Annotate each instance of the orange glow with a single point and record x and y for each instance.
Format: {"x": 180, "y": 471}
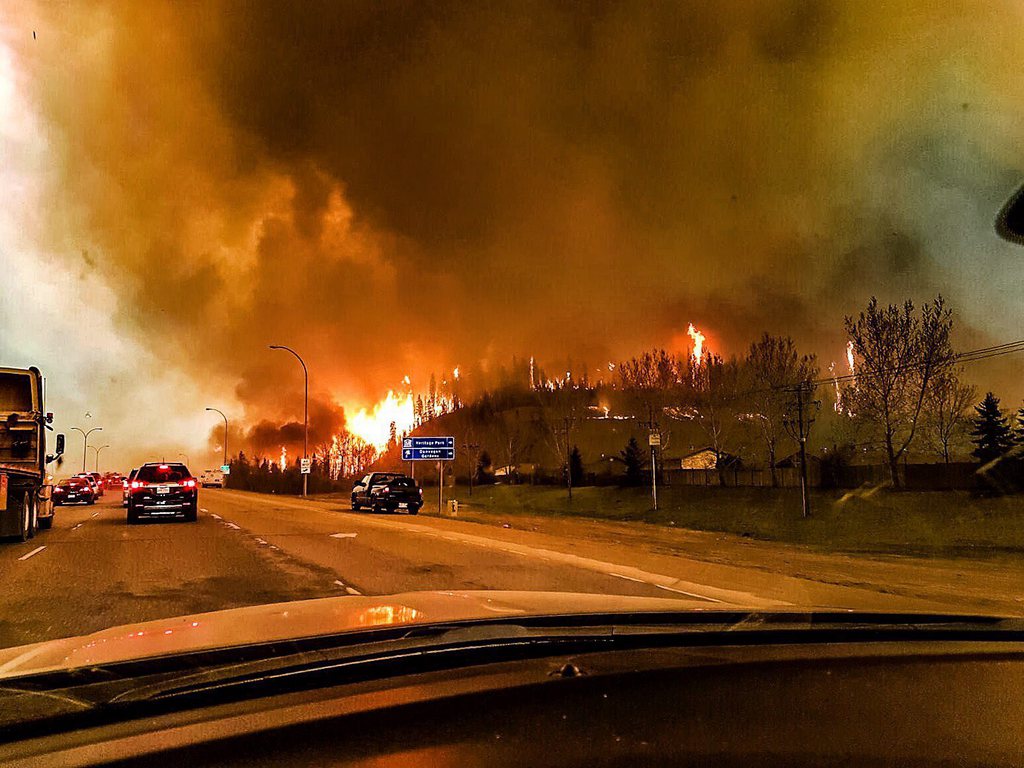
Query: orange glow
{"x": 456, "y": 373}
{"x": 387, "y": 614}
{"x": 374, "y": 427}
{"x": 849, "y": 356}
{"x": 284, "y": 457}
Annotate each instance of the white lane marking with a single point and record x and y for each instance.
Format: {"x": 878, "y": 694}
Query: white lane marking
{"x": 77, "y": 526}
{"x": 215, "y": 515}
{"x": 273, "y": 547}
{"x": 35, "y": 551}
{"x": 702, "y": 591}
{"x": 94, "y": 514}
{"x": 343, "y": 535}
{"x": 204, "y": 509}
{"x": 352, "y": 591}
{"x": 339, "y": 583}
{"x": 688, "y": 594}
{"x": 627, "y": 578}
{"x": 232, "y": 525}
{"x": 260, "y": 541}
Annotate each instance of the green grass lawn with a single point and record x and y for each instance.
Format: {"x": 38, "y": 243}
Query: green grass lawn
{"x": 951, "y": 523}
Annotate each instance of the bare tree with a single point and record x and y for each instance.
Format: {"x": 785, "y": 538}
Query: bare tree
{"x": 773, "y": 364}
{"x": 947, "y": 411}
{"x": 898, "y": 353}
{"x": 648, "y": 381}
{"x": 713, "y": 395}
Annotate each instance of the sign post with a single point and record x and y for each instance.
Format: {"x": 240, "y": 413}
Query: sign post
{"x": 439, "y": 449}
{"x": 654, "y": 440}
{"x": 304, "y": 466}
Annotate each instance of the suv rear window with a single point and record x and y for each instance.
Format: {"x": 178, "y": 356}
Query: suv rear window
{"x": 168, "y": 473}
{"x": 403, "y": 482}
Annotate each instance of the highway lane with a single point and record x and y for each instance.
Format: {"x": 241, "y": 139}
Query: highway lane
{"x": 93, "y": 571}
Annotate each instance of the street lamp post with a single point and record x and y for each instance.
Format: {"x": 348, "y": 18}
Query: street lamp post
{"x": 305, "y": 410}
{"x": 98, "y": 454}
{"x": 218, "y": 410}
{"x": 85, "y": 446}
{"x": 187, "y": 462}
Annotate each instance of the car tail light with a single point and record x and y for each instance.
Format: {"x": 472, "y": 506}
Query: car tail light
{"x": 189, "y": 483}
{"x": 58, "y": 490}
{"x": 136, "y": 484}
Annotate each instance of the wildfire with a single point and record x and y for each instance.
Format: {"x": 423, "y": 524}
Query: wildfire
{"x": 284, "y": 457}
{"x": 849, "y": 356}
{"x": 374, "y": 427}
{"x": 698, "y": 344}
{"x": 456, "y": 373}
{"x": 839, "y": 392}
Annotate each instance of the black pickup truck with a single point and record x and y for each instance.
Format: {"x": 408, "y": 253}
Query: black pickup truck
{"x": 396, "y": 493}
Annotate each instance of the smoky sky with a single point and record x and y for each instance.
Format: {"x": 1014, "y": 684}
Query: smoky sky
{"x": 396, "y": 188}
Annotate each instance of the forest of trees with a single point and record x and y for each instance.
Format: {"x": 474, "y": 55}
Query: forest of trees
{"x": 901, "y": 392}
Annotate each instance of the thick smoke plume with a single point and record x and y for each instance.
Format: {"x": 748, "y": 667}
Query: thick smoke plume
{"x": 398, "y": 188}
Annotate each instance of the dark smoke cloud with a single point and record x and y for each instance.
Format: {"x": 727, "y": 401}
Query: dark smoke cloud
{"x": 401, "y": 187}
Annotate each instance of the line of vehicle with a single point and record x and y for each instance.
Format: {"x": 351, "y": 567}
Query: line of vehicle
{"x": 34, "y": 552}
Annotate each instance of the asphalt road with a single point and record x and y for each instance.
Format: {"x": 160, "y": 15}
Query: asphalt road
{"x": 92, "y": 571}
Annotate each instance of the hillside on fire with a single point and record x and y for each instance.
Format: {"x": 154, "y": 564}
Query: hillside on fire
{"x": 898, "y": 398}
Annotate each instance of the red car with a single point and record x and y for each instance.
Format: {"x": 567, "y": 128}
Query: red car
{"x": 76, "y": 490}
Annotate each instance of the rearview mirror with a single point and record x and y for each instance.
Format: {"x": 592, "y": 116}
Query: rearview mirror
{"x": 1010, "y": 222}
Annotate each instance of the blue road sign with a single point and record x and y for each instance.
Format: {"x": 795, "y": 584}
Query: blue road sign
{"x": 428, "y": 449}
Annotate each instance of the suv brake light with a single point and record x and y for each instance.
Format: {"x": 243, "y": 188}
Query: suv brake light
{"x": 189, "y": 483}
{"x": 136, "y": 484}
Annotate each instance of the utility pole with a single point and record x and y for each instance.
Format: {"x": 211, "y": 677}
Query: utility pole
{"x": 568, "y": 459}
{"x": 800, "y": 430}
{"x": 473, "y": 456}
{"x": 653, "y": 440}
{"x": 440, "y": 487}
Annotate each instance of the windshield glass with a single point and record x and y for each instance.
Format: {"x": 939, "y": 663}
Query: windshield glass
{"x": 693, "y": 302}
{"x": 15, "y": 392}
{"x": 162, "y": 473}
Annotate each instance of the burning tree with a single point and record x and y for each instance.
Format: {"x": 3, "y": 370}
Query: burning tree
{"x": 714, "y": 401}
{"x": 899, "y": 353}
{"x": 773, "y": 365}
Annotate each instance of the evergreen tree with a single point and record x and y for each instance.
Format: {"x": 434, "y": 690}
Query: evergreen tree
{"x": 483, "y": 469}
{"x": 576, "y": 466}
{"x": 1018, "y": 427}
{"x": 991, "y": 433}
{"x": 633, "y": 460}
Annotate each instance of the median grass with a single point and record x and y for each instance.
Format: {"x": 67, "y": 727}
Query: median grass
{"x": 870, "y": 520}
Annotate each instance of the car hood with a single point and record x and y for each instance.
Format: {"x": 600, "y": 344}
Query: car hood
{"x": 309, "y": 618}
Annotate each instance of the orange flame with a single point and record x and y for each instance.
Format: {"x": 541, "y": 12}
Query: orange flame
{"x": 284, "y": 457}
{"x": 698, "y": 344}
{"x": 456, "y": 373}
{"x": 375, "y": 426}
{"x": 849, "y": 356}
